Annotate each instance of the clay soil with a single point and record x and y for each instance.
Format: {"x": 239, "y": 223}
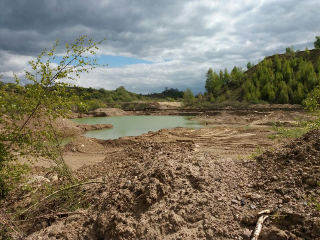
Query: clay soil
{"x": 193, "y": 184}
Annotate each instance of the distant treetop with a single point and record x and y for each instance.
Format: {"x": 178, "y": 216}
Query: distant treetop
{"x": 317, "y": 42}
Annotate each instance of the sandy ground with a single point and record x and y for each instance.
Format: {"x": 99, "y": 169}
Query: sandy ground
{"x": 194, "y": 184}
{"x": 227, "y": 134}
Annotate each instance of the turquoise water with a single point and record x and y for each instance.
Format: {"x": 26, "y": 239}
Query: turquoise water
{"x": 135, "y": 125}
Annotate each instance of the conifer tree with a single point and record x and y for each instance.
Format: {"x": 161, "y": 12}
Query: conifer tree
{"x": 317, "y": 42}
{"x": 287, "y": 71}
{"x": 209, "y": 81}
{"x": 299, "y": 94}
{"x": 277, "y": 62}
{"x": 283, "y": 93}
{"x": 226, "y": 77}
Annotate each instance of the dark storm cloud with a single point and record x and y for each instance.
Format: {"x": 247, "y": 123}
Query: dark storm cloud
{"x": 136, "y": 26}
{"x": 194, "y": 35}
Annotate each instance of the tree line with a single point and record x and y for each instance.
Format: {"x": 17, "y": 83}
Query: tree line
{"x": 282, "y": 78}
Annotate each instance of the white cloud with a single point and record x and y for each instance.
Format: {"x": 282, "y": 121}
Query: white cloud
{"x": 144, "y": 78}
{"x": 194, "y": 35}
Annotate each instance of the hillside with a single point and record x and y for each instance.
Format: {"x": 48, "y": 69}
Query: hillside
{"x": 281, "y": 78}
{"x": 308, "y": 55}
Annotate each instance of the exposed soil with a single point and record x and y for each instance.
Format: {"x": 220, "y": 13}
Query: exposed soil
{"x": 68, "y": 128}
{"x": 194, "y": 184}
{"x": 102, "y": 112}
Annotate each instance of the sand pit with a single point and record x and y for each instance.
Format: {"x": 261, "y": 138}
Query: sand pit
{"x": 192, "y": 184}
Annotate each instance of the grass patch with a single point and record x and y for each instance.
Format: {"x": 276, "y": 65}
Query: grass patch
{"x": 256, "y": 153}
{"x": 282, "y": 132}
{"x": 301, "y": 128}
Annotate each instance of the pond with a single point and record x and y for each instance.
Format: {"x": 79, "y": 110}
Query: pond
{"x": 135, "y": 125}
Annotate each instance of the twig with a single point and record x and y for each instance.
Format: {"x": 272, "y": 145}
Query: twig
{"x": 260, "y": 221}
{"x": 59, "y": 214}
{"x": 65, "y": 168}
{"x": 58, "y": 191}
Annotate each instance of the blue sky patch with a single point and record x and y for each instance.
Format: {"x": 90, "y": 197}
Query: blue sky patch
{"x": 119, "y": 61}
{"x": 113, "y": 61}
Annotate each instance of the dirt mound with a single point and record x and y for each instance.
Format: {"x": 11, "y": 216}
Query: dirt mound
{"x": 66, "y": 127}
{"x": 157, "y": 188}
{"x": 289, "y": 181}
{"x": 84, "y": 145}
{"x": 108, "y": 112}
{"x": 192, "y": 184}
{"x": 90, "y": 127}
{"x": 170, "y": 105}
{"x": 162, "y": 198}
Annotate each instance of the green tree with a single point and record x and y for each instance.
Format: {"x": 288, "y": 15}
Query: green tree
{"x": 312, "y": 102}
{"x": 317, "y": 42}
{"x": 211, "y": 98}
{"x": 318, "y": 67}
{"x": 307, "y": 75}
{"x": 283, "y": 93}
{"x": 251, "y": 93}
{"x": 221, "y": 76}
{"x": 188, "y": 97}
{"x": 209, "y": 81}
{"x": 236, "y": 76}
{"x": 123, "y": 95}
{"x": 214, "y": 82}
{"x": 226, "y": 77}
{"x": 277, "y": 62}
{"x": 27, "y": 115}
{"x": 290, "y": 51}
{"x": 249, "y": 65}
{"x": 287, "y": 70}
{"x": 268, "y": 93}
{"x": 298, "y": 94}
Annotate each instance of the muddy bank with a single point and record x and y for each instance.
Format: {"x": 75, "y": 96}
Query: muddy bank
{"x": 265, "y": 118}
{"x": 64, "y": 127}
{"x": 90, "y": 127}
{"x": 102, "y": 112}
{"x": 177, "y": 108}
{"x": 68, "y": 128}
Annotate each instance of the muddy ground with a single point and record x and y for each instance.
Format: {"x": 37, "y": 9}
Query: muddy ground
{"x": 193, "y": 184}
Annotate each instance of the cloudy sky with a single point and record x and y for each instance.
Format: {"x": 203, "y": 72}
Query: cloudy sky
{"x": 152, "y": 44}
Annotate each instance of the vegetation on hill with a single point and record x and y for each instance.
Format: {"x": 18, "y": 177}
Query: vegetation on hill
{"x": 168, "y": 94}
{"x": 88, "y": 99}
{"x": 96, "y": 98}
{"x": 107, "y": 96}
{"x": 282, "y": 78}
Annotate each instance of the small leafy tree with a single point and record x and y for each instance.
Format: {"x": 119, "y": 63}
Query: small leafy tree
{"x": 27, "y": 114}
{"x": 188, "y": 97}
{"x": 312, "y": 103}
